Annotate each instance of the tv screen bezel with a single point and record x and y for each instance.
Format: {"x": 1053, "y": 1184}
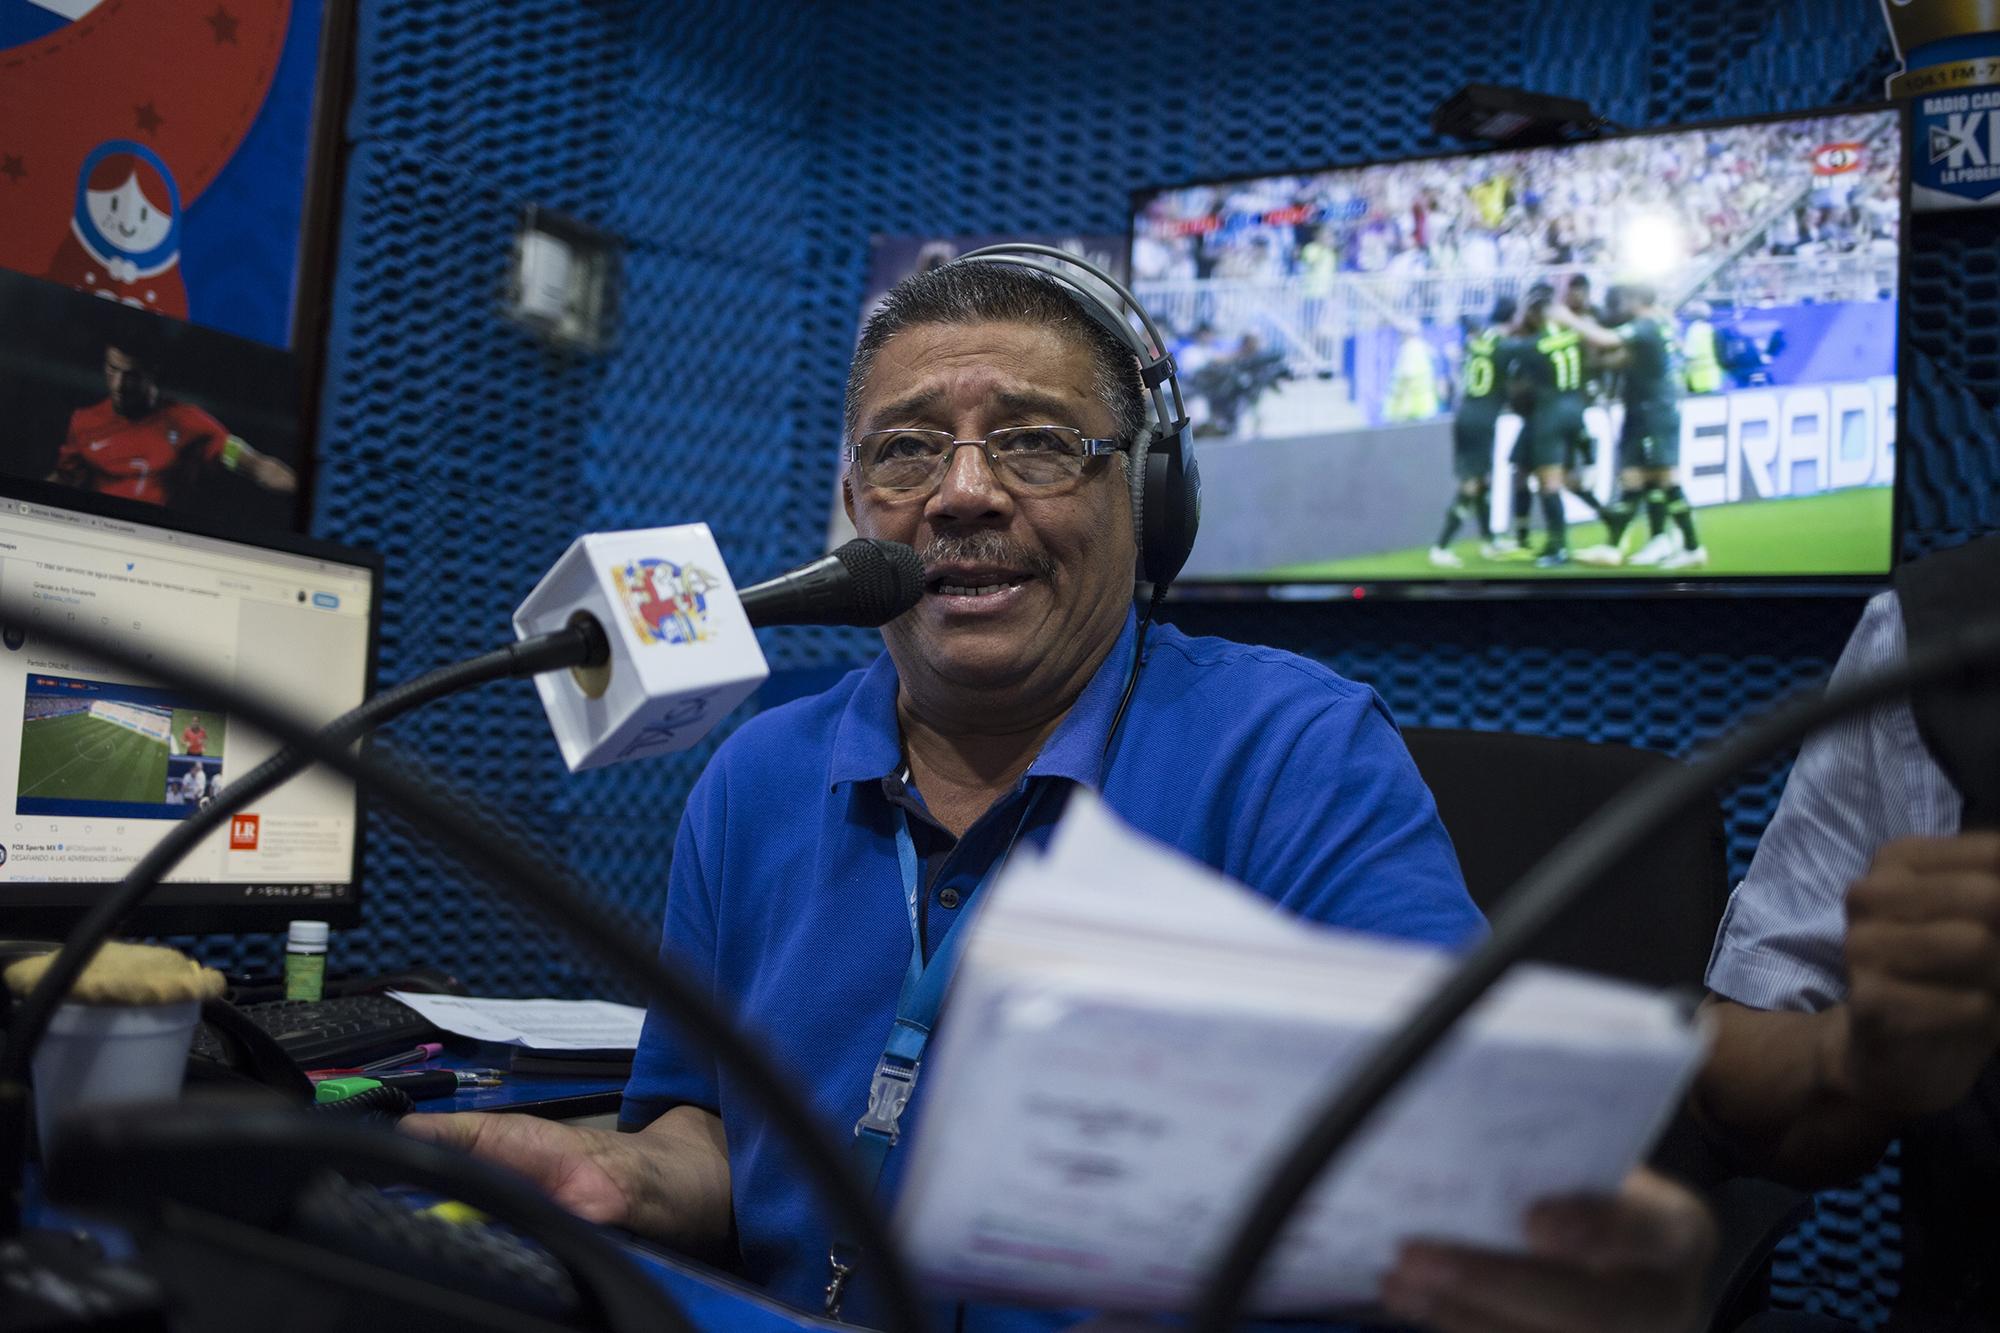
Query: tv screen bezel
{"x": 1195, "y": 589}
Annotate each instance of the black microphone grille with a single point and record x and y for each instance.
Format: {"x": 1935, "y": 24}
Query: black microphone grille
{"x": 888, "y": 579}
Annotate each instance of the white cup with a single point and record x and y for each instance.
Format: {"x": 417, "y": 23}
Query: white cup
{"x": 103, "y": 1054}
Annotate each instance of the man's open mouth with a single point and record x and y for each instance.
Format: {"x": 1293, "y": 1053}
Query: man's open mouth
{"x": 963, "y": 583}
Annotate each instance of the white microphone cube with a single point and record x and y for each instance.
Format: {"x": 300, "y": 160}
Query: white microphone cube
{"x": 682, "y": 651}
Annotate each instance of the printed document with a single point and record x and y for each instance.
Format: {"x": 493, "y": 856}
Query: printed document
{"x": 539, "y": 1025}
{"x": 1132, "y": 1040}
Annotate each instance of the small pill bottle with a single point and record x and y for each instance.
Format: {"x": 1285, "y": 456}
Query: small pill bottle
{"x": 305, "y": 960}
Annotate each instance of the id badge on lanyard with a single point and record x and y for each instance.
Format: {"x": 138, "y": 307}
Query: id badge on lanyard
{"x": 895, "y": 1077}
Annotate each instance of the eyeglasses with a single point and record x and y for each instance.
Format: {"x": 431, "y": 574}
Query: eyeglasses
{"x": 1035, "y": 459}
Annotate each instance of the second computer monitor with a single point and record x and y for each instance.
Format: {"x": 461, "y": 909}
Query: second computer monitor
{"x": 97, "y": 763}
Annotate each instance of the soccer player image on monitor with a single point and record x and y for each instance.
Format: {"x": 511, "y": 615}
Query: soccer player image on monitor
{"x": 138, "y": 443}
{"x": 94, "y": 747}
{"x": 192, "y": 779}
{"x": 198, "y": 734}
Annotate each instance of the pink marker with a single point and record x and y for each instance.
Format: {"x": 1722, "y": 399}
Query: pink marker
{"x": 428, "y": 1051}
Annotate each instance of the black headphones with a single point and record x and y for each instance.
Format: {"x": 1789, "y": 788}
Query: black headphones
{"x": 1166, "y": 484}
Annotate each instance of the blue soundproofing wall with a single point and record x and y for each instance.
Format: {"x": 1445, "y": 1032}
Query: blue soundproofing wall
{"x": 744, "y": 151}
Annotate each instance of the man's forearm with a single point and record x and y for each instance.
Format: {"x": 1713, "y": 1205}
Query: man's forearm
{"x": 1774, "y": 1092}
{"x": 675, "y": 1173}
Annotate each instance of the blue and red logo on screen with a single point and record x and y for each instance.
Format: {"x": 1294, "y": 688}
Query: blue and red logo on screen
{"x": 668, "y": 602}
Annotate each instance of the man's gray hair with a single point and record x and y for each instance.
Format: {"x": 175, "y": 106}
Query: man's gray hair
{"x": 979, "y": 292}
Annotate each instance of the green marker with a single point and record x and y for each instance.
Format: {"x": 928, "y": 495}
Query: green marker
{"x": 340, "y": 1089}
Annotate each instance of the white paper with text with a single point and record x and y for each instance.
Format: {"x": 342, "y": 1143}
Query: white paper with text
{"x": 539, "y": 1025}
{"x": 1131, "y": 1039}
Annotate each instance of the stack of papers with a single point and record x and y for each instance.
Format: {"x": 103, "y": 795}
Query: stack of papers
{"x": 1132, "y": 1040}
{"x": 538, "y": 1025}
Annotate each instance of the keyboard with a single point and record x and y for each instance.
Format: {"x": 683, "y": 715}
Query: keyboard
{"x": 334, "y": 1033}
{"x": 482, "y": 1260}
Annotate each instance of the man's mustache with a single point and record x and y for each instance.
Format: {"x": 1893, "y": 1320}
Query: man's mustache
{"x": 987, "y": 548}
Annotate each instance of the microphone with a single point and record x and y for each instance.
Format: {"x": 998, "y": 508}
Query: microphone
{"x": 868, "y": 582}
{"x": 681, "y": 652}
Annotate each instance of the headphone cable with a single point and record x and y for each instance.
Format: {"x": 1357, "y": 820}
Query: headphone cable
{"x": 1132, "y": 680}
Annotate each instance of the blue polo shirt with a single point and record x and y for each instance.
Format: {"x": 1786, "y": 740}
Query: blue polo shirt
{"x": 786, "y": 895}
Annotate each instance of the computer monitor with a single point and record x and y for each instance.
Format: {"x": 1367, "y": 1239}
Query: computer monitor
{"x": 96, "y": 764}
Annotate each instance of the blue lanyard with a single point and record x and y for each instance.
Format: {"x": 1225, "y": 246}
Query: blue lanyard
{"x": 917, "y": 1006}
{"x": 895, "y": 1078}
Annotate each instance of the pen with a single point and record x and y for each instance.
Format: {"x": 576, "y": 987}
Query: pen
{"x": 421, "y": 1084}
{"x": 427, "y": 1051}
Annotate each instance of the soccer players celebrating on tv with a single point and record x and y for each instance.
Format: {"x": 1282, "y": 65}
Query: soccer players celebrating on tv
{"x": 1650, "y": 441}
{"x": 1583, "y": 450}
{"x": 1546, "y": 384}
{"x": 1481, "y": 396}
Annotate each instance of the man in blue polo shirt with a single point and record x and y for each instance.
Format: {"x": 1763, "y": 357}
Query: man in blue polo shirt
{"x": 832, "y": 842}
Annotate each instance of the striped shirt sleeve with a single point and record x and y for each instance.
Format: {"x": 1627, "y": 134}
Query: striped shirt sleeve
{"x": 1858, "y": 784}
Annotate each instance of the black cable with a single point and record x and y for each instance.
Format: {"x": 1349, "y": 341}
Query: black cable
{"x": 514, "y": 867}
{"x": 1138, "y": 660}
{"x": 1544, "y": 894}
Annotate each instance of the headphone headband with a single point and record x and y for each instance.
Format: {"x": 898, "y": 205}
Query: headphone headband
{"x": 1156, "y": 366}
{"x": 1166, "y": 484}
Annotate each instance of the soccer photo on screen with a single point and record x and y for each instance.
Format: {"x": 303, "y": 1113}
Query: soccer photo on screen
{"x": 1667, "y": 356}
{"x": 94, "y": 748}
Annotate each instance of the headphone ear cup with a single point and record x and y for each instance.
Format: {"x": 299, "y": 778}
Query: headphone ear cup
{"x": 1170, "y": 513}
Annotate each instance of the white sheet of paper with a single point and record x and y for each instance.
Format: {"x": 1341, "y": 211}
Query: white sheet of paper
{"x": 540, "y": 1025}
{"x": 1111, "y": 1082}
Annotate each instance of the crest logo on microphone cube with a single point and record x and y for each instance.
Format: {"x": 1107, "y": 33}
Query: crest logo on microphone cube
{"x": 645, "y": 588}
{"x": 668, "y": 603}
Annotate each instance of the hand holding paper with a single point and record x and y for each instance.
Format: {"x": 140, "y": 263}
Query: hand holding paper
{"x": 1109, "y": 1084}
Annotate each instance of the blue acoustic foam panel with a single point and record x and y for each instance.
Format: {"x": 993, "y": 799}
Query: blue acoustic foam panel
{"x": 744, "y": 152}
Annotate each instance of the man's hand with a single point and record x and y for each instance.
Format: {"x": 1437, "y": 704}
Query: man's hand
{"x": 670, "y": 1181}
{"x": 1923, "y": 968}
{"x": 1633, "y": 1263}
{"x": 567, "y": 1164}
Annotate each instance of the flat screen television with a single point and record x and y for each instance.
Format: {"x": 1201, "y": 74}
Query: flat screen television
{"x": 1466, "y": 375}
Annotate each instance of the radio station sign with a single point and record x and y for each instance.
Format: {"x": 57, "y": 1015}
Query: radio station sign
{"x": 1951, "y": 76}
